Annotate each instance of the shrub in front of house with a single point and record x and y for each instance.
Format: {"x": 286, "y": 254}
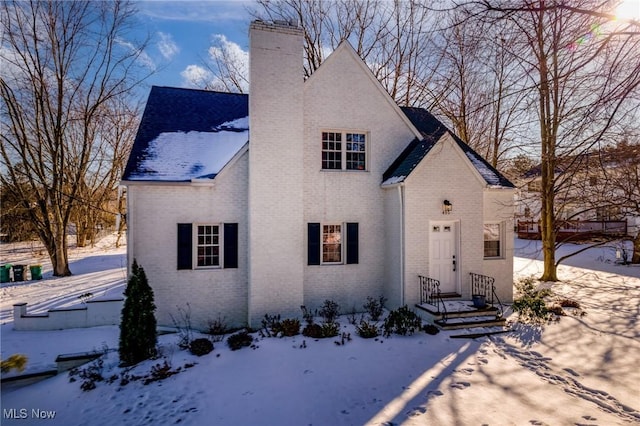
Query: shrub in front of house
{"x": 138, "y": 337}
{"x": 367, "y": 330}
{"x": 431, "y": 329}
{"x": 217, "y": 328}
{"x": 329, "y": 311}
{"x": 290, "y": 327}
{"x": 200, "y": 346}
{"x": 374, "y": 307}
{"x": 307, "y": 315}
{"x": 401, "y": 321}
{"x": 320, "y": 331}
{"x": 530, "y": 302}
{"x": 239, "y": 340}
{"x": 271, "y": 325}
{"x": 313, "y": 330}
{"x": 89, "y": 374}
{"x": 330, "y": 329}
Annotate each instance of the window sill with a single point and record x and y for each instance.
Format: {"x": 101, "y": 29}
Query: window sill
{"x": 344, "y": 171}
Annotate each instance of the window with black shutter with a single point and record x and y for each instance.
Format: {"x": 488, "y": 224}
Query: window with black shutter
{"x": 185, "y": 247}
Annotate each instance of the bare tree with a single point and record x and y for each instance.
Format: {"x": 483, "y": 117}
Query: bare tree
{"x": 225, "y": 68}
{"x": 96, "y": 204}
{"x": 478, "y": 86}
{"x": 65, "y": 65}
{"x": 393, "y": 38}
{"x": 583, "y": 72}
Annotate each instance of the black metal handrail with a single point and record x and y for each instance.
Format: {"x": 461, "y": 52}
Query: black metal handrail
{"x": 483, "y": 285}
{"x": 430, "y": 294}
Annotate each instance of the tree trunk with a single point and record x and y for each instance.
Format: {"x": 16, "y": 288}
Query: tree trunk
{"x": 122, "y": 216}
{"x": 548, "y": 235}
{"x": 548, "y": 148}
{"x": 636, "y": 249}
{"x": 57, "y": 248}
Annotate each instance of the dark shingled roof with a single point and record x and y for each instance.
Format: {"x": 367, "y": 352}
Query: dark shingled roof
{"x": 432, "y": 130}
{"x": 171, "y": 109}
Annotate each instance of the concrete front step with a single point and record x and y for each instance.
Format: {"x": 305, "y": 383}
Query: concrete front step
{"x": 470, "y": 322}
{"x": 473, "y": 333}
{"x": 472, "y": 312}
{"x": 457, "y": 309}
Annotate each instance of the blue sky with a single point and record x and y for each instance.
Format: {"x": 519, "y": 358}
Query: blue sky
{"x": 181, "y": 33}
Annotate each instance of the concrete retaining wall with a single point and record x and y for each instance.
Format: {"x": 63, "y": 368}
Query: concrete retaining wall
{"x": 93, "y": 313}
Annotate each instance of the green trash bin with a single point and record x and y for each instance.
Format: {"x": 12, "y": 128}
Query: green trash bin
{"x": 5, "y": 273}
{"x": 18, "y": 272}
{"x": 36, "y": 272}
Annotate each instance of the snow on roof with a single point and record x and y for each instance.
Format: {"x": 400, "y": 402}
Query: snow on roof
{"x": 490, "y": 176}
{"x": 393, "y": 180}
{"x": 187, "y": 134}
{"x": 182, "y": 156}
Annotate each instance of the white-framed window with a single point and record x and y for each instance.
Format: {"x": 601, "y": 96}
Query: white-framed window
{"x": 331, "y": 243}
{"x": 344, "y": 151}
{"x": 207, "y": 246}
{"x": 493, "y": 240}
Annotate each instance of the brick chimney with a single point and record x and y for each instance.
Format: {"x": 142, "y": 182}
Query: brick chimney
{"x": 276, "y": 228}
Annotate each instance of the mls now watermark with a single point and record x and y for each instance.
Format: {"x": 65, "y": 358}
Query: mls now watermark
{"x": 23, "y": 413}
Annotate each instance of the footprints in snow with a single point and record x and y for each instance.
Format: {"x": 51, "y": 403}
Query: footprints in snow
{"x": 460, "y": 385}
{"x": 569, "y": 380}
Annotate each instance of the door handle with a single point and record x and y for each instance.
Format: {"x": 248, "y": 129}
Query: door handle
{"x": 454, "y": 263}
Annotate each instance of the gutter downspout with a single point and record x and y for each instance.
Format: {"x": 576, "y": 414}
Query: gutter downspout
{"x": 402, "y": 260}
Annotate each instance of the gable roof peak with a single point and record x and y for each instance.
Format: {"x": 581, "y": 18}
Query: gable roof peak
{"x": 432, "y": 130}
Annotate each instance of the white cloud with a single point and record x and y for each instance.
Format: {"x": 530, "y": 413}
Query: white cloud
{"x": 168, "y": 48}
{"x": 197, "y": 11}
{"x": 230, "y": 62}
{"x": 196, "y": 76}
{"x": 233, "y": 50}
{"x": 142, "y": 57}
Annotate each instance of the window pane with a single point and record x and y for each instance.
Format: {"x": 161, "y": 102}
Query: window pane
{"x": 492, "y": 233}
{"x": 356, "y": 158}
{"x": 331, "y": 244}
{"x": 331, "y": 148}
{"x": 208, "y": 249}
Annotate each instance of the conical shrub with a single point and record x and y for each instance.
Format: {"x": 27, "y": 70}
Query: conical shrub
{"x": 138, "y": 336}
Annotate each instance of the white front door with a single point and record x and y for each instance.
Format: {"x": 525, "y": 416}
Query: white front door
{"x": 443, "y": 255}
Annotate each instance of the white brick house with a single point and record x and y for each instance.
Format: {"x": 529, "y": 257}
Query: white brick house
{"x": 340, "y": 194}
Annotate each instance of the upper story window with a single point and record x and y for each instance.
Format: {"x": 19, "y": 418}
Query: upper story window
{"x": 344, "y": 151}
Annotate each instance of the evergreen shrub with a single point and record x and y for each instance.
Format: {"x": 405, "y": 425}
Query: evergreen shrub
{"x": 138, "y": 336}
{"x": 401, "y": 321}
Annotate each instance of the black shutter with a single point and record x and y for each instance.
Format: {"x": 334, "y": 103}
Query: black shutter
{"x": 185, "y": 247}
{"x": 313, "y": 243}
{"x": 230, "y": 245}
{"x": 352, "y": 243}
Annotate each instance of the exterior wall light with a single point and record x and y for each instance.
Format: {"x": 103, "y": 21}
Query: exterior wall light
{"x": 447, "y": 207}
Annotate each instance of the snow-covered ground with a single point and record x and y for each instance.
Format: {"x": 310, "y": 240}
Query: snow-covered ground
{"x": 580, "y": 370}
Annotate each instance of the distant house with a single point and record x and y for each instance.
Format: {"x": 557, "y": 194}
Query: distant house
{"x": 596, "y": 194}
{"x": 303, "y": 191}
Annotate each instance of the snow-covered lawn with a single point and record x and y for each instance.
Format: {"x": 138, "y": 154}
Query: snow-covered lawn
{"x": 580, "y": 370}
